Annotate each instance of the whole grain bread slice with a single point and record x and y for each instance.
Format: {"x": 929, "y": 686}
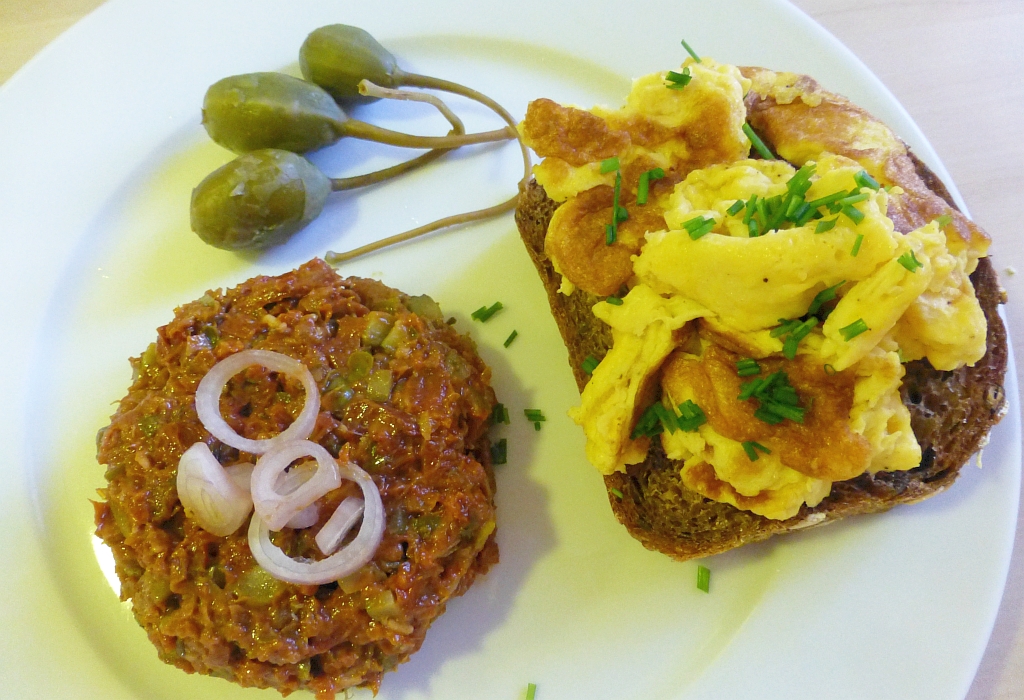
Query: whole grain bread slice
{"x": 951, "y": 414}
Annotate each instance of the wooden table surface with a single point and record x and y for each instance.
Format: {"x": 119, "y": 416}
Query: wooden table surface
{"x": 954, "y": 64}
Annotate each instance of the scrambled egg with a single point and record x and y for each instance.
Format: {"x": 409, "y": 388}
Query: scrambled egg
{"x": 709, "y": 291}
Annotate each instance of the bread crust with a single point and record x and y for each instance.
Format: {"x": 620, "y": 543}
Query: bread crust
{"x": 951, "y": 414}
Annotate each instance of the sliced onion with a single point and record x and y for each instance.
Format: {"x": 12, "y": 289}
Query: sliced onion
{"x": 211, "y": 386}
{"x": 345, "y": 561}
{"x": 241, "y": 475}
{"x": 276, "y": 508}
{"x": 208, "y": 493}
{"x": 306, "y": 517}
{"x": 345, "y": 516}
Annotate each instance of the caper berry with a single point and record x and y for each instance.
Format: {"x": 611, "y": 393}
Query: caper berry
{"x": 247, "y": 112}
{"x": 337, "y": 57}
{"x": 258, "y": 200}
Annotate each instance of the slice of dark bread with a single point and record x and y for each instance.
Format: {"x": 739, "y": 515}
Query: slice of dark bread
{"x": 951, "y": 414}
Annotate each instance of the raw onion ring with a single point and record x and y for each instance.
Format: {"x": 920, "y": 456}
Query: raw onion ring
{"x": 209, "y": 494}
{"x": 276, "y": 508}
{"x": 211, "y": 386}
{"x": 345, "y": 516}
{"x": 345, "y": 561}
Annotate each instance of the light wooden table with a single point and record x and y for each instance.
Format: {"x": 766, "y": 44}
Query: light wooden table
{"x": 955, "y": 65}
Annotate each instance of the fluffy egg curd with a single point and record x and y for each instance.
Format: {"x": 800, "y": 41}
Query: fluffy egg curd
{"x": 761, "y": 309}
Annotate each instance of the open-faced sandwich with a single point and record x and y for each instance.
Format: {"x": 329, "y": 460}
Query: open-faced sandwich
{"x": 299, "y": 479}
{"x": 764, "y": 339}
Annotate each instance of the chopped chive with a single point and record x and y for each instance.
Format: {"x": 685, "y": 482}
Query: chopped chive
{"x": 643, "y": 187}
{"x": 499, "y": 414}
{"x": 853, "y": 199}
{"x": 748, "y": 367}
{"x": 534, "y": 415}
{"x": 762, "y": 213}
{"x": 829, "y": 370}
{"x": 589, "y": 364}
{"x": 786, "y": 325}
{"x": 944, "y": 220}
{"x": 751, "y": 449}
{"x": 649, "y": 424}
{"x": 536, "y": 425}
{"x": 484, "y": 313}
{"x": 825, "y": 295}
{"x": 803, "y": 214}
{"x": 909, "y": 261}
{"x": 510, "y": 338}
{"x": 854, "y": 329}
{"x": 616, "y": 493}
{"x": 531, "y": 691}
{"x": 856, "y": 243}
{"x": 666, "y": 417}
{"x": 852, "y": 213}
{"x": 825, "y": 225}
{"x": 614, "y": 301}
{"x": 691, "y": 417}
{"x": 751, "y": 208}
{"x": 499, "y": 452}
{"x": 753, "y": 229}
{"x": 794, "y": 413}
{"x": 611, "y": 233}
{"x": 757, "y": 142}
{"x": 677, "y": 81}
{"x": 690, "y": 51}
{"x": 827, "y": 199}
{"x": 736, "y": 207}
{"x": 864, "y": 180}
{"x": 699, "y": 226}
{"x": 609, "y": 164}
{"x": 703, "y": 578}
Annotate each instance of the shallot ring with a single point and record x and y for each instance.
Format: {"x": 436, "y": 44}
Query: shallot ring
{"x": 211, "y": 385}
{"x": 345, "y": 561}
{"x": 276, "y": 508}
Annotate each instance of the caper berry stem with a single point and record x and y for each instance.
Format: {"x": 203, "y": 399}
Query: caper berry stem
{"x": 426, "y": 81}
{"x": 369, "y": 132}
{"x": 370, "y": 89}
{"x": 333, "y": 258}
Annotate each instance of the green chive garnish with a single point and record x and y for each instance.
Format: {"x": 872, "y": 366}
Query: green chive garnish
{"x": 643, "y": 186}
{"x": 510, "y": 338}
{"x": 609, "y": 234}
{"x": 616, "y": 493}
{"x": 747, "y": 367}
{"x": 751, "y": 449}
{"x": 590, "y": 364}
{"x": 854, "y": 329}
{"x": 699, "y": 226}
{"x": 649, "y": 424}
{"x": 736, "y": 207}
{"x": 484, "y": 313}
{"x": 619, "y": 214}
{"x": 499, "y": 452}
{"x": 909, "y": 261}
{"x": 853, "y": 213}
{"x": 757, "y": 142}
{"x": 864, "y": 180}
{"x": 857, "y": 242}
{"x": 825, "y": 225}
{"x": 531, "y": 691}
{"x": 776, "y": 397}
{"x": 691, "y": 417}
{"x": 825, "y": 295}
{"x": 499, "y": 414}
{"x": 609, "y": 164}
{"x": 690, "y": 51}
{"x": 614, "y": 301}
{"x": 944, "y": 220}
{"x": 534, "y": 415}
{"x": 703, "y": 578}
{"x": 677, "y": 81}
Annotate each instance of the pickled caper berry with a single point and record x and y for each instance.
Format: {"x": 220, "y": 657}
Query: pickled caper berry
{"x": 258, "y": 200}
{"x": 337, "y": 57}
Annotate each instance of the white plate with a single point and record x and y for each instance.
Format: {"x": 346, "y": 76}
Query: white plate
{"x": 100, "y": 145}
